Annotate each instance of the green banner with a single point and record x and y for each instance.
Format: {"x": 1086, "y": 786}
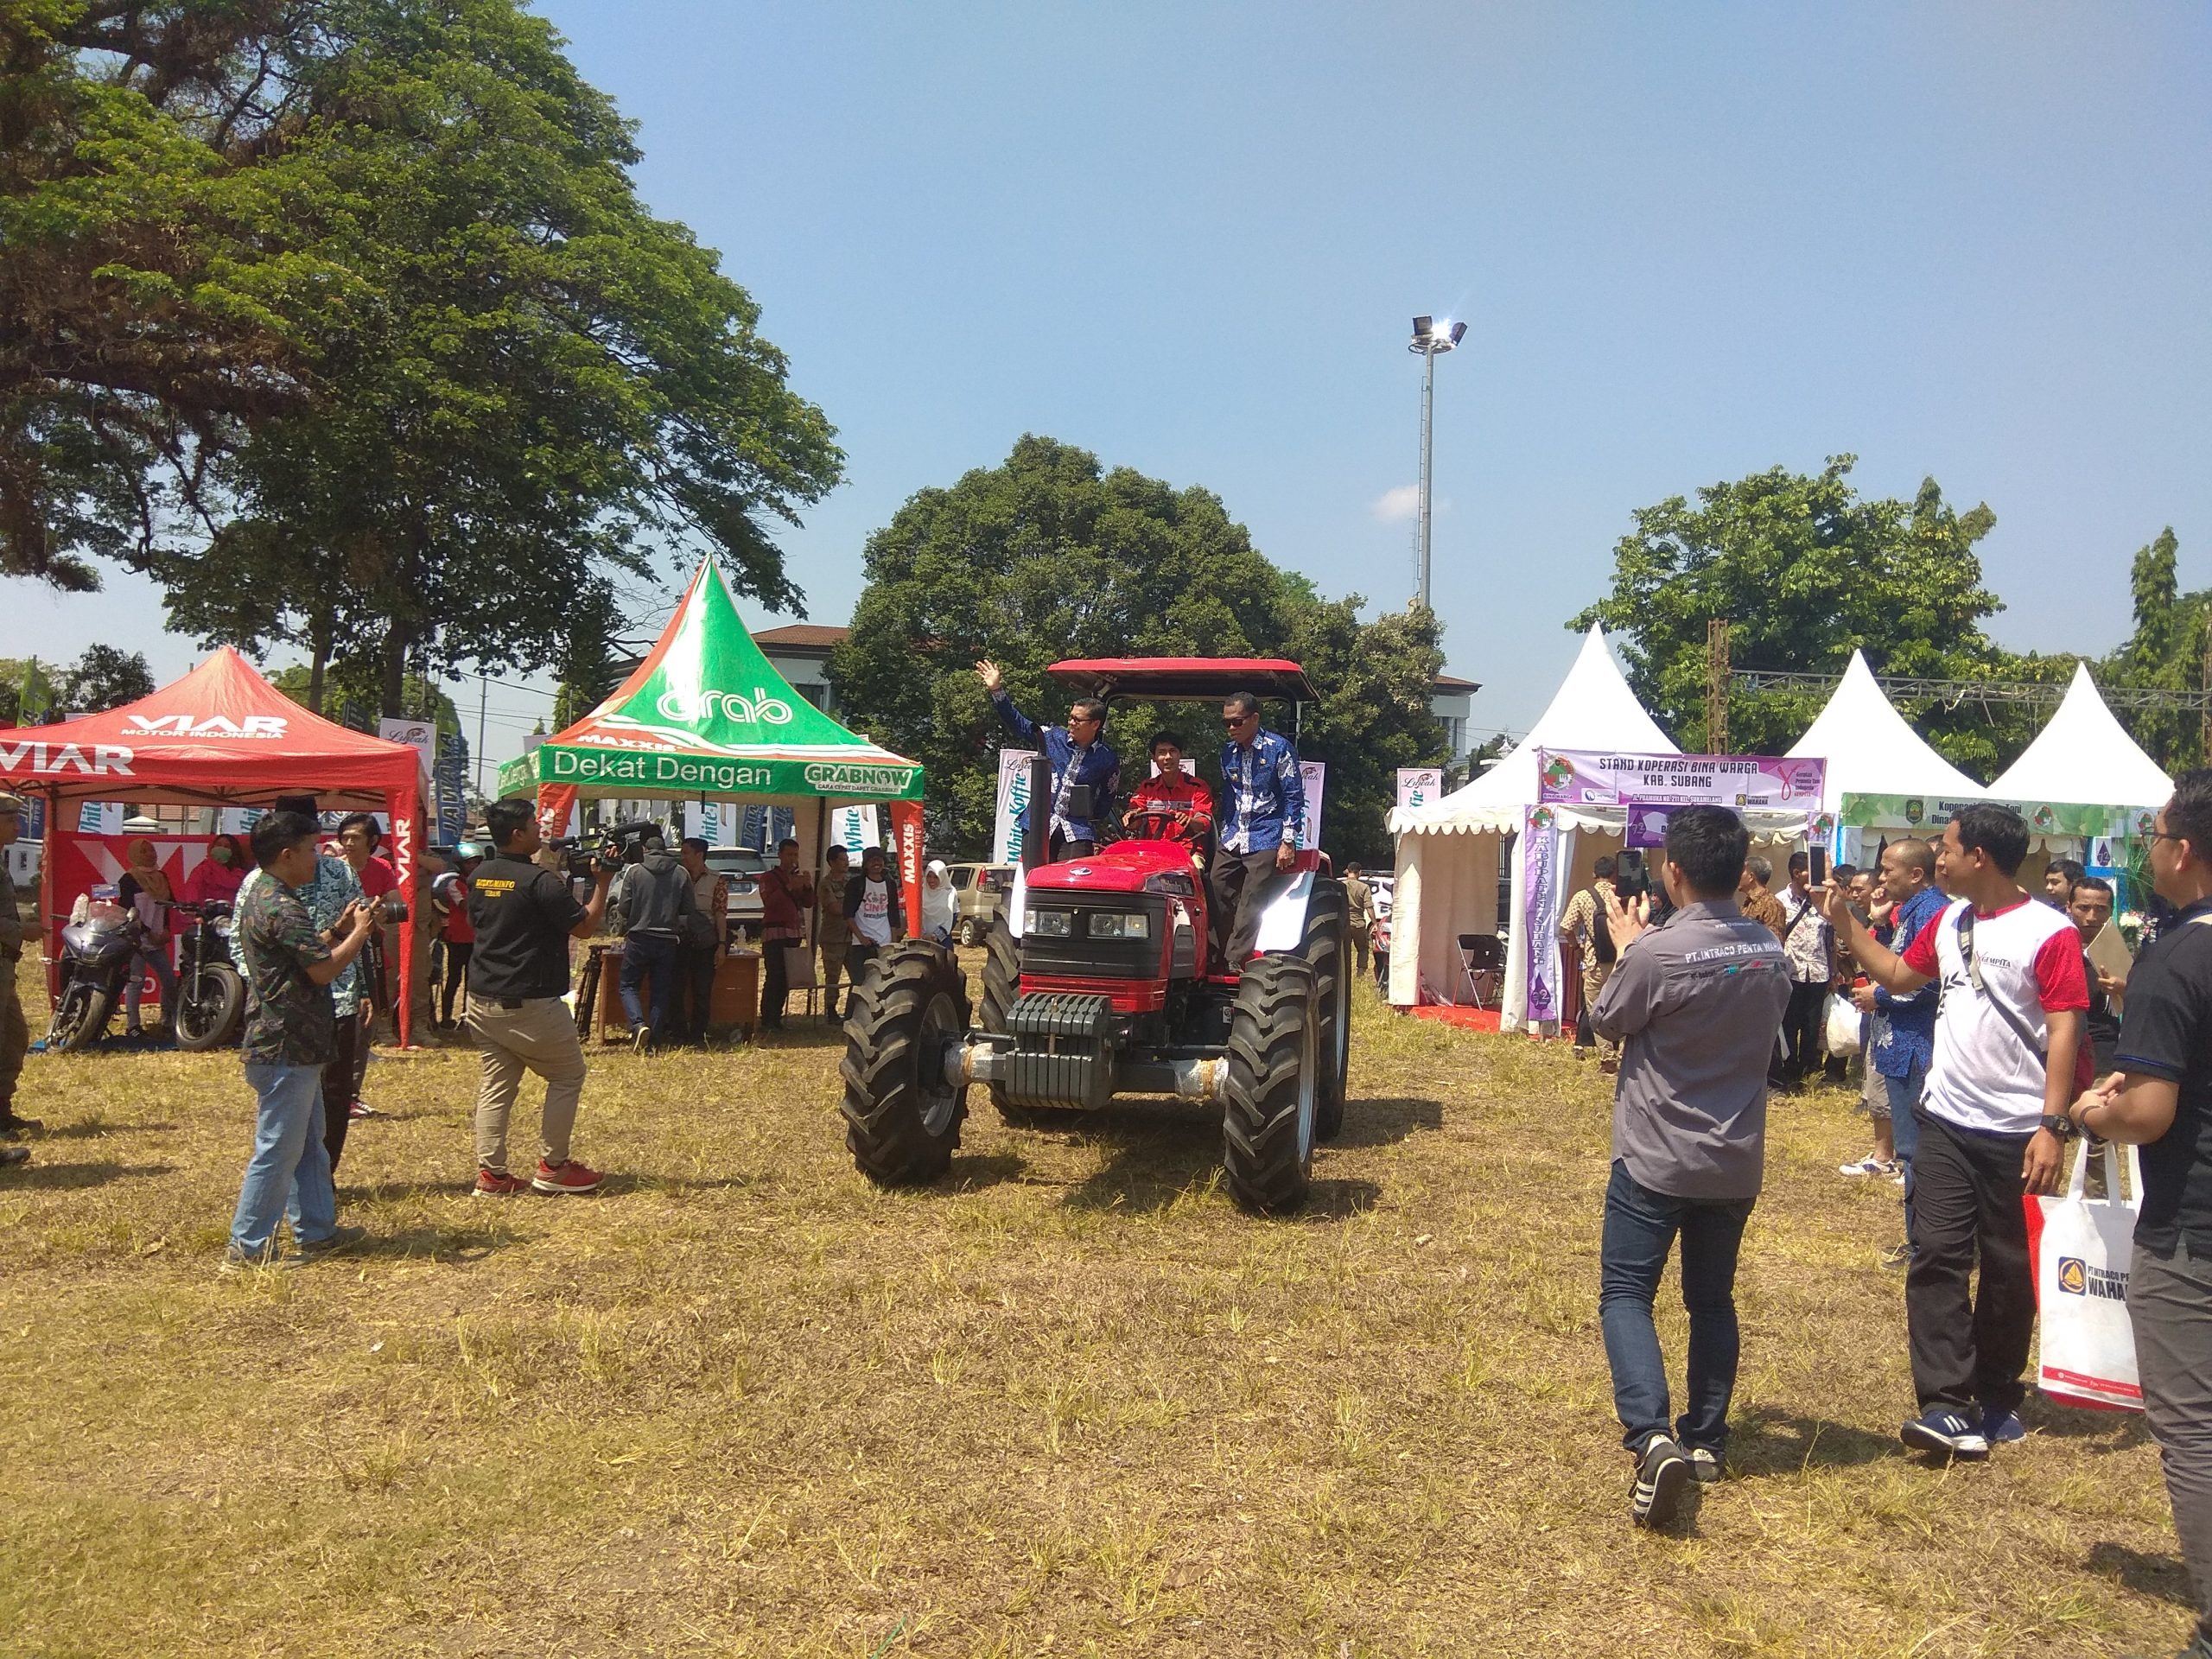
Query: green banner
{"x": 519, "y": 777}
{"x": 709, "y": 774}
{"x": 1933, "y": 812}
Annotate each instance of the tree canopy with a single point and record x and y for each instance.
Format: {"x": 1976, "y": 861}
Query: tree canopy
{"x": 1806, "y": 570}
{"x": 342, "y": 319}
{"x": 1051, "y": 556}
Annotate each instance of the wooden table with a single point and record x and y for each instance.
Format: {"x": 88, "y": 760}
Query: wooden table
{"x": 736, "y": 1000}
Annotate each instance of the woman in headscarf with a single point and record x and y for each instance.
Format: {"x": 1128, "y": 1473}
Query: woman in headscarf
{"x": 940, "y": 905}
{"x": 216, "y": 877}
{"x": 145, "y": 892}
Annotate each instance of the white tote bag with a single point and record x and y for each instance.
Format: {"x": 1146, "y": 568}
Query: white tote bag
{"x": 2080, "y": 1247}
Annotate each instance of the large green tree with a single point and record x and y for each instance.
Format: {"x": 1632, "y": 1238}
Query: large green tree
{"x": 2166, "y": 651}
{"x": 476, "y": 385}
{"x": 1051, "y": 556}
{"x": 1807, "y": 570}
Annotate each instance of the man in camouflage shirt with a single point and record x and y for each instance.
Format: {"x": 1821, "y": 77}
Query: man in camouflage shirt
{"x": 290, "y": 1038}
{"x": 14, "y": 1033}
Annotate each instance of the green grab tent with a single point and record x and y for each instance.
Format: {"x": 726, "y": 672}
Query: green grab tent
{"x": 706, "y": 716}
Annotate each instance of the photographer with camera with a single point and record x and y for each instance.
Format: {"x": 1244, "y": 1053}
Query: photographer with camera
{"x": 525, "y": 917}
{"x": 657, "y": 906}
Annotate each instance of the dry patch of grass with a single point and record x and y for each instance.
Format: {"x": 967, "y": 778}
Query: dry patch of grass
{"x": 1069, "y": 1400}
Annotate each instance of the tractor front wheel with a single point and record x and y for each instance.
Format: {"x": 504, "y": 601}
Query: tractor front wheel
{"x": 902, "y": 1119}
{"x": 1269, "y": 1119}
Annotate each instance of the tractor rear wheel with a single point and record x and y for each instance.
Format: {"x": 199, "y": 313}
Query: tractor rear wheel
{"x": 1273, "y": 1087}
{"x": 1328, "y": 930}
{"x": 902, "y": 1118}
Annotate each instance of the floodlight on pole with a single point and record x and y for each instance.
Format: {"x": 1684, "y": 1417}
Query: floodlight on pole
{"x": 1431, "y": 340}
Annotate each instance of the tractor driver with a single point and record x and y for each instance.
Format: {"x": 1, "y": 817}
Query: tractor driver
{"x": 1171, "y": 805}
{"x": 1264, "y": 803}
{"x": 1081, "y": 759}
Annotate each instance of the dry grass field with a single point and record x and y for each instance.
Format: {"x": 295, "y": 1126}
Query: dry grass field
{"x": 1069, "y": 1402}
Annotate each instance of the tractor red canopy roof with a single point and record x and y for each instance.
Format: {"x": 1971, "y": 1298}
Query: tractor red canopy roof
{"x": 1195, "y": 678}
{"x": 220, "y": 735}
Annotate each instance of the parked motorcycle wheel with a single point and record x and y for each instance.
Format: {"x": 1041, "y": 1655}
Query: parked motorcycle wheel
{"x": 81, "y": 1019}
{"x": 208, "y": 1006}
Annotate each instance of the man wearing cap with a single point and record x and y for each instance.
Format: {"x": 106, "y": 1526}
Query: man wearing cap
{"x": 14, "y": 1034}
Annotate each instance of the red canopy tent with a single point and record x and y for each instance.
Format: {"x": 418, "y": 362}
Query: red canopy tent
{"x": 220, "y": 736}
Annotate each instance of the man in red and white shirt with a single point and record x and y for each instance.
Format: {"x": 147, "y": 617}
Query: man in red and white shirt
{"x": 2008, "y": 1042}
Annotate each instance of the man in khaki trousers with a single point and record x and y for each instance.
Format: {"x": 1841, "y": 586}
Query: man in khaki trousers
{"x": 525, "y": 917}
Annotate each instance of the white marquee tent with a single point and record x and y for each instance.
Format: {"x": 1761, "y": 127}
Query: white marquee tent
{"x": 1448, "y": 850}
{"x": 1870, "y": 750}
{"x": 2085, "y": 756}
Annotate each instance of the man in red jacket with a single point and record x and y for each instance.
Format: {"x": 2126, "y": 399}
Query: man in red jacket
{"x": 1171, "y": 805}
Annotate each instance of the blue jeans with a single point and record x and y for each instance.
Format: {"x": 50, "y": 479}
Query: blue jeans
{"x": 1641, "y": 1226}
{"x": 1905, "y": 1130}
{"x": 644, "y": 954}
{"x": 290, "y": 1170}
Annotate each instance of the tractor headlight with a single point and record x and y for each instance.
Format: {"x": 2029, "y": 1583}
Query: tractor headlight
{"x": 1120, "y": 925}
{"x": 1046, "y": 924}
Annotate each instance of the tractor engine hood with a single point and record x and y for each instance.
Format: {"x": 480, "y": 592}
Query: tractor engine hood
{"x": 1125, "y": 867}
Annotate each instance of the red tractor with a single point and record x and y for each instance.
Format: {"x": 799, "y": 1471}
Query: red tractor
{"x": 1100, "y": 986}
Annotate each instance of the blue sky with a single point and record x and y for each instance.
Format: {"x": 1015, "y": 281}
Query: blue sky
{"x": 1690, "y": 242}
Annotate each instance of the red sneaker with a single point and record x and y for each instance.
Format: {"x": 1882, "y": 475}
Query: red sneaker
{"x": 571, "y": 1177}
{"x": 497, "y": 1183}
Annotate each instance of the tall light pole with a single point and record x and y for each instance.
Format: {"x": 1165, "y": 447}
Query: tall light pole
{"x": 1431, "y": 340}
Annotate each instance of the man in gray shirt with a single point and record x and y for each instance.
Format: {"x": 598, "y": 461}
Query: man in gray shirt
{"x": 1698, "y": 1001}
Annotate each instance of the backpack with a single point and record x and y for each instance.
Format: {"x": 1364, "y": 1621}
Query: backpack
{"x": 1602, "y": 950}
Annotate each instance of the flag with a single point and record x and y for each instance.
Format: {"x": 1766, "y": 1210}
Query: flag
{"x": 34, "y": 703}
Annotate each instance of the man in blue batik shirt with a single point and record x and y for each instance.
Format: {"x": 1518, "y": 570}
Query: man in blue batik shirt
{"x": 1262, "y": 804}
{"x": 1903, "y": 1054}
{"x": 1081, "y": 759}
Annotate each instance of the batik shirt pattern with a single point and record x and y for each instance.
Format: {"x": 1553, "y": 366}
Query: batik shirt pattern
{"x": 290, "y": 1021}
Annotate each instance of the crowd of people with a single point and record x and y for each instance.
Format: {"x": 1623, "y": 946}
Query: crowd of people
{"x": 1991, "y": 1044}
{"x": 1978, "y": 1000}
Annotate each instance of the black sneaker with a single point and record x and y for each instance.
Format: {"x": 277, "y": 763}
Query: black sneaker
{"x": 11, "y": 1156}
{"x": 15, "y": 1128}
{"x": 1660, "y": 1474}
{"x": 1947, "y": 1434}
{"x": 641, "y": 1040}
{"x": 1705, "y": 1465}
{"x": 342, "y": 1238}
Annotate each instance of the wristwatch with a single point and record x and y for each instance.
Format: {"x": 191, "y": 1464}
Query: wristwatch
{"x": 2065, "y": 1128}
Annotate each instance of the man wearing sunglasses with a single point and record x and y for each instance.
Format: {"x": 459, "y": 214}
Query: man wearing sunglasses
{"x": 1081, "y": 759}
{"x": 1262, "y": 804}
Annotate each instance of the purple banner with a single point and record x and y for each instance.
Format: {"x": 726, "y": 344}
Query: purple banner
{"x": 1774, "y": 783}
{"x": 1540, "y": 914}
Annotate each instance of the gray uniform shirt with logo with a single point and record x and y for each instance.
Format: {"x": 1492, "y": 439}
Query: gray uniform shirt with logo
{"x": 1697, "y": 1002}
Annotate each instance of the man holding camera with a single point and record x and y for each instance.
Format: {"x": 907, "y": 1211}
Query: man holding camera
{"x": 291, "y": 1040}
{"x": 525, "y": 917}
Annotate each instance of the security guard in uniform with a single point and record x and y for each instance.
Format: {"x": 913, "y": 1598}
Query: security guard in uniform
{"x": 15, "y": 1035}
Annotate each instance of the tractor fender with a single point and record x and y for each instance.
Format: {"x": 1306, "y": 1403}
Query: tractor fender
{"x": 1282, "y": 924}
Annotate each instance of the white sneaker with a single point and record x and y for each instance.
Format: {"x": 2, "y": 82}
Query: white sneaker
{"x": 1867, "y": 1167}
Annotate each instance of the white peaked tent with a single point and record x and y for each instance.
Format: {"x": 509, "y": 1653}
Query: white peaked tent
{"x": 1448, "y": 850}
{"x": 2084, "y": 756}
{"x": 1871, "y": 751}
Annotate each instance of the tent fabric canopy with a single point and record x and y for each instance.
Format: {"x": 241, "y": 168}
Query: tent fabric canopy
{"x": 1593, "y": 708}
{"x": 2084, "y": 756}
{"x": 220, "y": 736}
{"x": 1870, "y": 750}
{"x": 223, "y": 736}
{"x": 706, "y": 714}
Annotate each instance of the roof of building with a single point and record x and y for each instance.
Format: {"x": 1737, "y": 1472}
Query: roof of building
{"x": 1452, "y": 683}
{"x": 798, "y": 636}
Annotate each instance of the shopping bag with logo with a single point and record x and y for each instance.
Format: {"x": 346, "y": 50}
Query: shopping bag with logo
{"x": 2080, "y": 1247}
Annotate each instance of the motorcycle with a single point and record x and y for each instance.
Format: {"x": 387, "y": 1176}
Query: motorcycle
{"x": 210, "y": 992}
{"x": 96, "y": 956}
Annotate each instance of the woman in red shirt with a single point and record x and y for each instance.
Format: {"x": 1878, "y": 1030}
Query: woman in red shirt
{"x": 458, "y": 934}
